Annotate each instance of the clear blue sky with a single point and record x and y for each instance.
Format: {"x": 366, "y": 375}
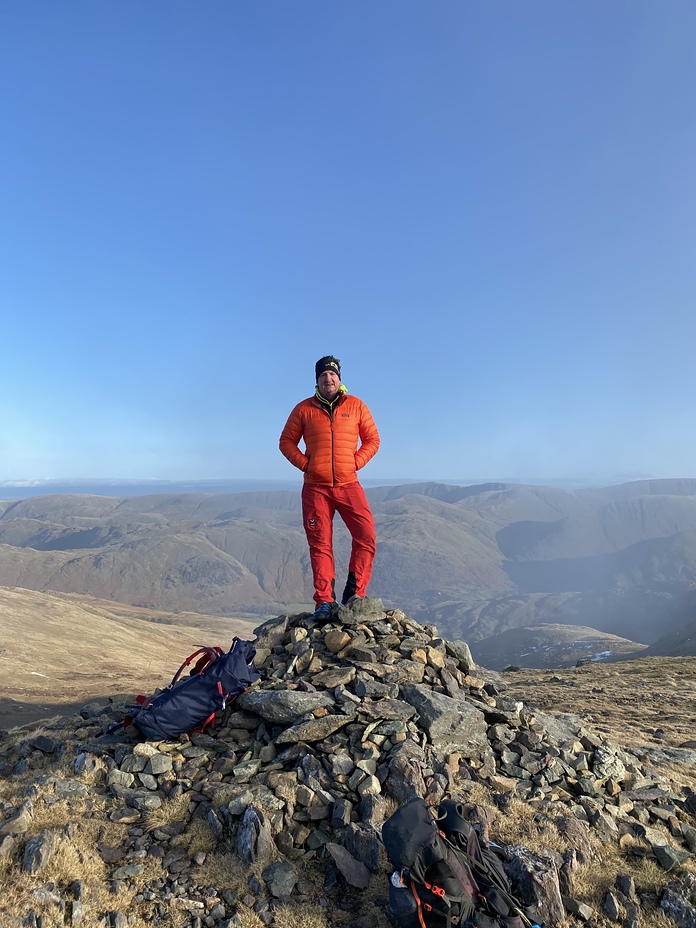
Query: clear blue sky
{"x": 486, "y": 209}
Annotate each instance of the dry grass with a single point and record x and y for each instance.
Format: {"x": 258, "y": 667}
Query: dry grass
{"x": 129, "y": 650}
{"x": 248, "y": 918}
{"x": 170, "y": 812}
{"x": 69, "y": 862}
{"x": 200, "y": 837}
{"x": 522, "y": 824}
{"x": 646, "y": 701}
{"x": 223, "y": 871}
{"x": 300, "y": 916}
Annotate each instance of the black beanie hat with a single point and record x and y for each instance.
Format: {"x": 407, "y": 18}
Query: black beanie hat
{"x": 327, "y": 363}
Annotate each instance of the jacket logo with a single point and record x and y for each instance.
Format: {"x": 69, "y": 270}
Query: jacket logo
{"x": 345, "y": 415}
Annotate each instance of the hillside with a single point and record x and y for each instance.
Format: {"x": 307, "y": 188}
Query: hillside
{"x": 59, "y": 652}
{"x": 551, "y": 646}
{"x": 275, "y": 817}
{"x": 478, "y": 560}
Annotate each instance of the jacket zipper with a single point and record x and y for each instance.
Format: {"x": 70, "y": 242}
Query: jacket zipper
{"x": 329, "y": 412}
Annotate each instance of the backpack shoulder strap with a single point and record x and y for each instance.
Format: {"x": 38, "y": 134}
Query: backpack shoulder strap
{"x": 209, "y": 656}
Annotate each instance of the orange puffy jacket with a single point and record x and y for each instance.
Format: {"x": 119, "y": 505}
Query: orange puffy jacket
{"x": 331, "y": 455}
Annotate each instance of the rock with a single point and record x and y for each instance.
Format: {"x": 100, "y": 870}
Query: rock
{"x": 280, "y": 878}
{"x": 583, "y": 911}
{"x": 611, "y": 907}
{"x": 19, "y": 823}
{"x": 254, "y": 838}
{"x": 38, "y": 852}
{"x": 461, "y": 652}
{"x": 678, "y": 901}
{"x": 536, "y": 881}
{"x": 125, "y": 816}
{"x": 336, "y": 640}
{"x": 670, "y": 858}
{"x": 43, "y": 743}
{"x": 128, "y": 872}
{"x": 314, "y": 730}
{"x": 451, "y": 724}
{"x": 282, "y": 706}
{"x": 355, "y": 873}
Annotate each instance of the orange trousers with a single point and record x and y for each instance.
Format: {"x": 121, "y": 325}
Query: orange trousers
{"x": 319, "y": 505}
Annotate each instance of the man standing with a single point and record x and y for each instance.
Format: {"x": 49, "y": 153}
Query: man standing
{"x": 332, "y": 424}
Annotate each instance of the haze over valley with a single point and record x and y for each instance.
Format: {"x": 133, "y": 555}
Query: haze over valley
{"x": 480, "y": 561}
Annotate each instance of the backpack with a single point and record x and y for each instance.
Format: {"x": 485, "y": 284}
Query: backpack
{"x": 190, "y": 704}
{"x": 445, "y": 877}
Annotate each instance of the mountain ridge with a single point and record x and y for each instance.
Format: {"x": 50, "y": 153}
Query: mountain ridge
{"x": 478, "y": 560}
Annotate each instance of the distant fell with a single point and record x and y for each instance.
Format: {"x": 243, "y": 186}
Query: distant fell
{"x": 478, "y": 560}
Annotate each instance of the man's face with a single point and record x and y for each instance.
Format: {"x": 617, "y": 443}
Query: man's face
{"x": 328, "y": 384}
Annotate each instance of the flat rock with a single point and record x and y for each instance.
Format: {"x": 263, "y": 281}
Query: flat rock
{"x": 313, "y": 730}
{"x": 282, "y": 706}
{"x": 354, "y": 872}
{"x": 451, "y": 724}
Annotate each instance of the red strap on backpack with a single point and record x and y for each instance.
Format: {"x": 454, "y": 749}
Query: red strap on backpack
{"x": 209, "y": 656}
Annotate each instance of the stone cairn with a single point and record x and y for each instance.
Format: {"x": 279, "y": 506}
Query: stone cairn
{"x": 351, "y": 717}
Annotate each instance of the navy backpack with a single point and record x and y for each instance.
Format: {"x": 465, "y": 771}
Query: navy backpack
{"x": 190, "y": 704}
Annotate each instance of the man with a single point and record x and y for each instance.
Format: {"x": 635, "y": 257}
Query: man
{"x": 340, "y": 437}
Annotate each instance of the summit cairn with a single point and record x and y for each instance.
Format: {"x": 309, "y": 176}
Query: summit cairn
{"x": 279, "y": 809}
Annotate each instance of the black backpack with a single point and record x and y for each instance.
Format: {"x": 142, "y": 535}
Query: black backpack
{"x": 445, "y": 877}
{"x": 190, "y": 704}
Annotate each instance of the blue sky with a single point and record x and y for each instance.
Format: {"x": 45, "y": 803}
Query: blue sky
{"x": 485, "y": 208}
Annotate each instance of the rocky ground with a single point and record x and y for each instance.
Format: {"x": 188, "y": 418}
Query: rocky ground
{"x": 275, "y": 818}
{"x": 644, "y": 702}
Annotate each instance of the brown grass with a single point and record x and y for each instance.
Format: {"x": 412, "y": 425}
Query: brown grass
{"x": 223, "y": 871}
{"x": 200, "y": 837}
{"x": 170, "y": 812}
{"x": 248, "y": 918}
{"x": 300, "y": 916}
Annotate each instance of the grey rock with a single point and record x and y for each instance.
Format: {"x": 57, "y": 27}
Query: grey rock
{"x": 536, "y": 879}
{"x": 387, "y": 710}
{"x": 128, "y": 871}
{"x": 158, "y": 764}
{"x": 560, "y": 728}
{"x": 272, "y": 632}
{"x": 7, "y": 845}
{"x": 38, "y": 852}
{"x": 280, "y": 878}
{"x": 361, "y": 611}
{"x": 313, "y": 730}
{"x": 341, "y": 812}
{"x": 678, "y": 901}
{"x": 461, "y": 652}
{"x": 367, "y": 686}
{"x": 282, "y": 706}
{"x": 354, "y": 872}
{"x": 670, "y": 858}
{"x": 20, "y": 822}
{"x": 451, "y": 724}
{"x": 626, "y": 887}
{"x": 47, "y": 894}
{"x": 334, "y": 676}
{"x": 611, "y": 907}
{"x": 364, "y": 845}
{"x": 405, "y": 776}
{"x": 583, "y": 911}
{"x": 254, "y": 836}
{"x": 605, "y": 764}
{"x": 43, "y": 743}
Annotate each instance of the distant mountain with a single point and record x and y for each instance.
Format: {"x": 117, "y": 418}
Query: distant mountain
{"x": 550, "y": 645}
{"x": 477, "y": 560}
{"x": 681, "y": 643}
